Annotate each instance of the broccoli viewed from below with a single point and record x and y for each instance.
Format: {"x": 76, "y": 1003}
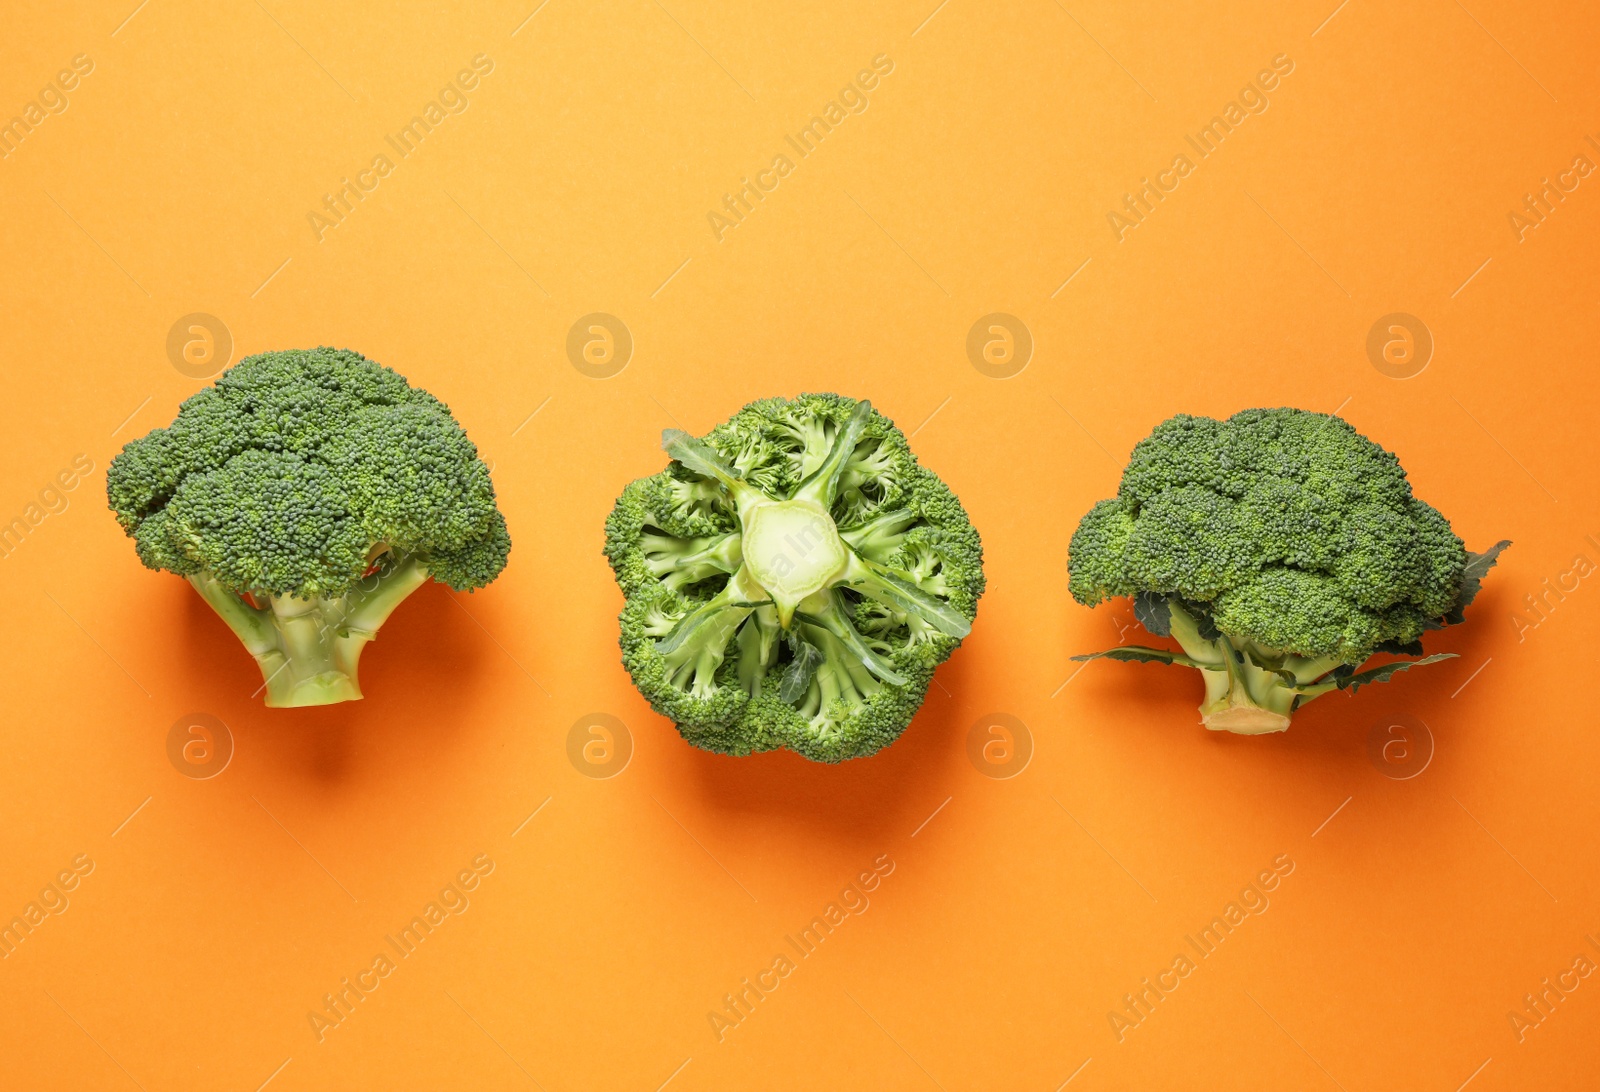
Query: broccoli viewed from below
{"x": 792, "y": 580}
{"x": 305, "y": 495}
{"x": 1281, "y": 549}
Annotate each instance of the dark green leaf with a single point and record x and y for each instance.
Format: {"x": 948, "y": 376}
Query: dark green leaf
{"x": 801, "y": 670}
{"x": 1140, "y": 654}
{"x": 1356, "y": 680}
{"x": 1273, "y": 665}
{"x": 1478, "y": 566}
{"x": 1154, "y": 613}
{"x": 1203, "y": 622}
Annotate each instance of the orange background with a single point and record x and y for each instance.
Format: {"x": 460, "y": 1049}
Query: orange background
{"x": 579, "y": 179}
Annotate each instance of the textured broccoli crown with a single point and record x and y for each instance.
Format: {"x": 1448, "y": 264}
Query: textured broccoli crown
{"x": 297, "y": 469}
{"x": 1287, "y": 528}
{"x": 792, "y": 580}
{"x": 304, "y": 496}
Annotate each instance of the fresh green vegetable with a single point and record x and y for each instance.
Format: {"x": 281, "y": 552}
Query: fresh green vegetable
{"x": 792, "y": 580}
{"x": 304, "y": 496}
{"x": 1281, "y": 549}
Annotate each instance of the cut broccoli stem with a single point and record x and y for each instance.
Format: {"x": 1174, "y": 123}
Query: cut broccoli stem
{"x": 1257, "y": 701}
{"x": 313, "y": 669}
{"x": 1241, "y": 696}
{"x": 792, "y": 549}
{"x": 309, "y": 649}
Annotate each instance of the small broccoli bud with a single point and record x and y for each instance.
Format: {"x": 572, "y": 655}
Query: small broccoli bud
{"x": 305, "y": 495}
{"x": 792, "y": 580}
{"x": 1281, "y": 549}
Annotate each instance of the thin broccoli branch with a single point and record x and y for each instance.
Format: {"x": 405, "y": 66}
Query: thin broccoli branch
{"x": 820, "y": 487}
{"x": 758, "y": 644}
{"x": 826, "y": 612}
{"x": 679, "y": 562}
{"x": 840, "y": 686}
{"x": 879, "y": 538}
{"x": 704, "y": 460}
{"x": 899, "y": 591}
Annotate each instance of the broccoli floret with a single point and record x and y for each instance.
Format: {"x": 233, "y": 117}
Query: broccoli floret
{"x": 792, "y": 580}
{"x": 1281, "y": 549}
{"x": 305, "y": 495}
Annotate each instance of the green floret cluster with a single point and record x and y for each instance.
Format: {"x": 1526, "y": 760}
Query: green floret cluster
{"x": 305, "y": 495}
{"x": 1282, "y": 549}
{"x": 792, "y": 580}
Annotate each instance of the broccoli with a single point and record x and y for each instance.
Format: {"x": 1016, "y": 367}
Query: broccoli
{"x": 792, "y": 580}
{"x": 305, "y": 495}
{"x": 1281, "y": 549}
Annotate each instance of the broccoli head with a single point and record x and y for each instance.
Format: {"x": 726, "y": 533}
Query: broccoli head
{"x": 305, "y": 495}
{"x": 792, "y": 580}
{"x": 1281, "y": 549}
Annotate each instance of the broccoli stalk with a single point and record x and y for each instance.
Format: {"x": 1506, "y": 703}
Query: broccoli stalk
{"x": 304, "y": 497}
{"x": 1250, "y": 689}
{"x": 1281, "y": 550}
{"x": 1241, "y": 696}
{"x": 309, "y": 649}
{"x": 799, "y": 589}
